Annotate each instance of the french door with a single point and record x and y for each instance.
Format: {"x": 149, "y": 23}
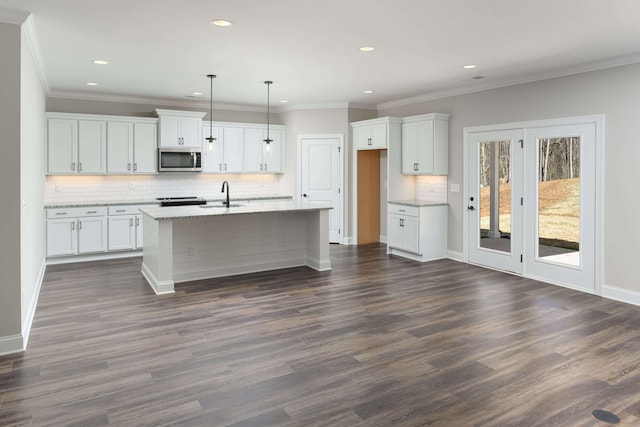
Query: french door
{"x": 531, "y": 201}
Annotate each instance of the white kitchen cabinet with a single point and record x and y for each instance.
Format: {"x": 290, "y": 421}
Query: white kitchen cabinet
{"x": 76, "y": 231}
{"x": 180, "y": 128}
{"x": 226, "y": 155}
{"x": 417, "y": 232}
{"x": 425, "y": 144}
{"x": 125, "y": 228}
{"x": 260, "y": 156}
{"x": 76, "y": 146}
{"x": 131, "y": 147}
{"x": 371, "y": 134}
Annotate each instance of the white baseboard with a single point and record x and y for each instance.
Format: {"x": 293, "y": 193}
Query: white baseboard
{"x": 26, "y": 326}
{"x": 622, "y": 295}
{"x": 383, "y": 239}
{"x": 93, "y": 257}
{"x": 11, "y": 344}
{"x": 348, "y": 241}
{"x": 159, "y": 287}
{"x": 456, "y": 256}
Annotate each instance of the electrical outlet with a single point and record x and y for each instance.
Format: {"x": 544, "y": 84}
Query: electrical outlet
{"x": 455, "y": 188}
{"x": 192, "y": 251}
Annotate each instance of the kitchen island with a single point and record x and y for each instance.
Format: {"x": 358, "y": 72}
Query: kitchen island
{"x": 186, "y": 243}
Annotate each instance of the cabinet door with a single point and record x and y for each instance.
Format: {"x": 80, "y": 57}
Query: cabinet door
{"x": 409, "y": 148}
{"x": 191, "y": 131}
{"x": 425, "y": 147}
{"x": 92, "y": 147}
{"x": 253, "y": 150}
{"x": 233, "y": 149}
{"x": 394, "y": 231}
{"x": 378, "y": 136}
{"x": 212, "y": 157}
{"x": 273, "y": 152}
{"x": 145, "y": 152}
{"x": 122, "y": 232}
{"x": 361, "y": 137}
{"x": 119, "y": 147}
{"x": 62, "y": 237}
{"x": 410, "y": 234}
{"x": 170, "y": 131}
{"x": 92, "y": 234}
{"x": 62, "y": 143}
{"x": 139, "y": 233}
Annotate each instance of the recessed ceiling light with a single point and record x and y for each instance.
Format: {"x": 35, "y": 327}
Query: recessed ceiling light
{"x": 196, "y": 93}
{"x": 469, "y": 67}
{"x": 284, "y": 101}
{"x": 221, "y": 23}
{"x": 478, "y": 77}
{"x": 92, "y": 84}
{"x": 367, "y": 91}
{"x": 367, "y": 48}
{"x": 100, "y": 62}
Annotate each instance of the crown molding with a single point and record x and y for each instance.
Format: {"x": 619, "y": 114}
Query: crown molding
{"x": 167, "y": 102}
{"x": 31, "y": 36}
{"x": 326, "y": 106}
{"x": 584, "y": 68}
{"x": 13, "y": 16}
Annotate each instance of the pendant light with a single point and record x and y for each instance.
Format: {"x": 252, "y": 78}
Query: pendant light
{"x": 210, "y": 138}
{"x": 268, "y": 141}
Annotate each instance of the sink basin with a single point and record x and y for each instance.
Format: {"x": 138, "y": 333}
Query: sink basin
{"x": 232, "y": 205}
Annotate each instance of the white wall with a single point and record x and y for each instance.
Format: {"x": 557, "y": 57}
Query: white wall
{"x": 614, "y": 92}
{"x": 10, "y": 306}
{"x": 32, "y": 168}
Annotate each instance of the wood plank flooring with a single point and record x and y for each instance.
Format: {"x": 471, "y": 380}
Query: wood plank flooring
{"x": 377, "y": 341}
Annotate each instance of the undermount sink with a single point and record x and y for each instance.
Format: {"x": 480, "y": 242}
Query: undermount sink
{"x": 232, "y": 205}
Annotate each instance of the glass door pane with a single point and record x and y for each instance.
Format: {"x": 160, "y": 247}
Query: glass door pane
{"x": 558, "y": 216}
{"x": 495, "y": 195}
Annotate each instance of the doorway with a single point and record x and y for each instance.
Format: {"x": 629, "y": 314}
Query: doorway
{"x": 531, "y": 199}
{"x": 320, "y": 177}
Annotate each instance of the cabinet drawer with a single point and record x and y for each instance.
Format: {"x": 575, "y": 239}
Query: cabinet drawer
{"x": 125, "y": 210}
{"x": 403, "y": 210}
{"x": 76, "y": 212}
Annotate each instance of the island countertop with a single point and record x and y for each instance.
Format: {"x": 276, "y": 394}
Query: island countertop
{"x": 181, "y": 212}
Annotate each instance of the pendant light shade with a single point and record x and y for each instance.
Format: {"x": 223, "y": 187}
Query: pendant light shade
{"x": 210, "y": 138}
{"x": 268, "y": 141}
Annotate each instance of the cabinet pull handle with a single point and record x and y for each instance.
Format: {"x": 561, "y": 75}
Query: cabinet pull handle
{"x": 369, "y": 141}
{"x": 220, "y": 166}
{"x": 130, "y": 222}
{"x": 225, "y": 166}
{"x": 92, "y": 212}
{"x": 79, "y": 166}
{"x": 73, "y": 225}
{"x": 260, "y": 166}
{"x": 119, "y": 210}
{"x": 137, "y": 221}
{"x": 401, "y": 222}
{"x": 61, "y": 213}
{"x": 135, "y": 167}
{"x": 128, "y": 166}
{"x": 73, "y": 166}
{"x": 402, "y": 210}
{"x": 265, "y": 167}
{"x": 79, "y": 225}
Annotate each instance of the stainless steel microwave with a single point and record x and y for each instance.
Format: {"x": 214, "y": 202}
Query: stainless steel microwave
{"x": 179, "y": 159}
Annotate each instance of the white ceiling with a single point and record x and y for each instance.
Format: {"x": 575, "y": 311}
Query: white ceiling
{"x": 310, "y": 49}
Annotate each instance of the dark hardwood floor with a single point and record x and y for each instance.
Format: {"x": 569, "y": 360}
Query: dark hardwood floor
{"x": 377, "y": 341}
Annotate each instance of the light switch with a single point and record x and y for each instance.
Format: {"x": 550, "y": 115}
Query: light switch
{"x": 455, "y": 188}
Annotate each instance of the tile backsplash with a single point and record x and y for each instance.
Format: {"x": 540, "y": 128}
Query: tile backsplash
{"x": 431, "y": 188}
{"x": 70, "y": 189}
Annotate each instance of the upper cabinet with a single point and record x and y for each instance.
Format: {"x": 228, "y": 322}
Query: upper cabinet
{"x": 76, "y": 146}
{"x": 95, "y": 145}
{"x": 131, "y": 147}
{"x": 225, "y": 154}
{"x": 180, "y": 128}
{"x": 260, "y": 156}
{"x": 374, "y": 134}
{"x": 425, "y": 142}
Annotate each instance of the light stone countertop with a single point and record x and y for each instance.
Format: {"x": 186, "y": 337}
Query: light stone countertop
{"x": 417, "y": 203}
{"x": 148, "y": 202}
{"x": 182, "y": 212}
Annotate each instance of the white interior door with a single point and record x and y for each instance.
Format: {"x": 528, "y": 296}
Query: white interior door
{"x": 320, "y": 172}
{"x": 560, "y": 204}
{"x": 494, "y": 208}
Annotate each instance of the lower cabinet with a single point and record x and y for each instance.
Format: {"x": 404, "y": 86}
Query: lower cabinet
{"x": 417, "y": 232}
{"x": 76, "y": 231}
{"x": 125, "y": 228}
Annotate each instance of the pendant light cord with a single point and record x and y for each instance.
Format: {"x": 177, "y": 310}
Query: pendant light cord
{"x": 268, "y": 83}
{"x": 211, "y": 138}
